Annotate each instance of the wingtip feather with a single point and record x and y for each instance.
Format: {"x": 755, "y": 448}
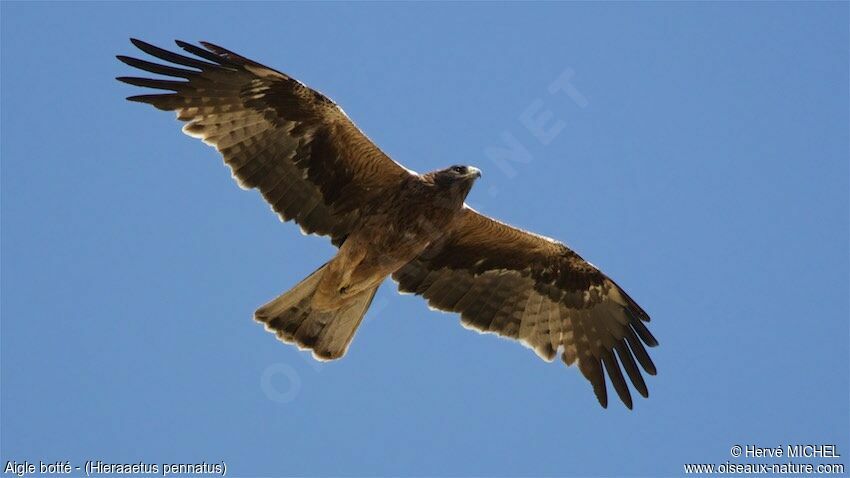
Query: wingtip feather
{"x": 139, "y": 43}
{"x": 603, "y": 399}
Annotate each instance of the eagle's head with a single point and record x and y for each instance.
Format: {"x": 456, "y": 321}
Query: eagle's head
{"x": 456, "y": 177}
{"x": 453, "y": 183}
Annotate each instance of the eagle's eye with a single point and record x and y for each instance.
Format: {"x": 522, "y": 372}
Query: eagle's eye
{"x": 459, "y": 169}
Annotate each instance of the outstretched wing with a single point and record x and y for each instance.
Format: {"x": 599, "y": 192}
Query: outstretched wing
{"x": 308, "y": 160}
{"x": 526, "y": 287}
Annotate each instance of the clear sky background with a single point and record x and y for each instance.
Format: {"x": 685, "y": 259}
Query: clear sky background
{"x": 702, "y": 161}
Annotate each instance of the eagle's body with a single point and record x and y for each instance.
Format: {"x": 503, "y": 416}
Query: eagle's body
{"x": 391, "y": 234}
{"x": 315, "y": 167}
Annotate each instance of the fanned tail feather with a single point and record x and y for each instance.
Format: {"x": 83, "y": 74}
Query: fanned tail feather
{"x": 327, "y": 333}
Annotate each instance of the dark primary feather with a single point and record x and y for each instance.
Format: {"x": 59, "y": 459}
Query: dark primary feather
{"x": 509, "y": 282}
{"x": 307, "y": 159}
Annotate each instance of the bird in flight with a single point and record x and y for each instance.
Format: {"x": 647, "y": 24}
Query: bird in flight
{"x": 315, "y": 167}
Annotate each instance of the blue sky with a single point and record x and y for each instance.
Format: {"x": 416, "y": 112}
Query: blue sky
{"x": 701, "y": 160}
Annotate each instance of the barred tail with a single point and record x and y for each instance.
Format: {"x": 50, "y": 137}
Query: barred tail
{"x": 327, "y": 333}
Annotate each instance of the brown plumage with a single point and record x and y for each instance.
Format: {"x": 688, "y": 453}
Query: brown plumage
{"x": 314, "y": 166}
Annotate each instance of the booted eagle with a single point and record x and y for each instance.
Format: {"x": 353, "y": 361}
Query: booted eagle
{"x": 315, "y": 167}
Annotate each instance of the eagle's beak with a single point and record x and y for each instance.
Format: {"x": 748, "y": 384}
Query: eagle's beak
{"x": 473, "y": 171}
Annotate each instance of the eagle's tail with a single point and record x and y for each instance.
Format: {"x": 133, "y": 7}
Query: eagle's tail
{"x": 327, "y": 333}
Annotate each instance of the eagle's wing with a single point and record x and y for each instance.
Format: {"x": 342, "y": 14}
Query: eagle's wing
{"x": 308, "y": 160}
{"x": 519, "y": 285}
